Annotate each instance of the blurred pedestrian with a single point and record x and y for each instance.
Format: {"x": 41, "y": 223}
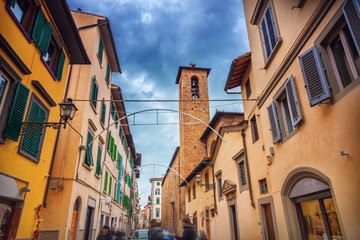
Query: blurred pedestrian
{"x": 155, "y": 231}
{"x": 202, "y": 235}
{"x": 189, "y": 232}
{"x": 105, "y": 234}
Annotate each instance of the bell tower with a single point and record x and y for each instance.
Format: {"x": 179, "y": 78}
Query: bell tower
{"x": 193, "y": 96}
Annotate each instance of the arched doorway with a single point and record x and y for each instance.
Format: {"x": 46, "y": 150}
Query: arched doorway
{"x": 75, "y": 219}
{"x": 310, "y": 206}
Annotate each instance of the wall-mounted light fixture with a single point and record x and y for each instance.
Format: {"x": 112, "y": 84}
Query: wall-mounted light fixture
{"x": 198, "y": 180}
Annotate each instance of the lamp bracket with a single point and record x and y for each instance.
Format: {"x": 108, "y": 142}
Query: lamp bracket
{"x": 210, "y": 186}
{"x": 33, "y": 127}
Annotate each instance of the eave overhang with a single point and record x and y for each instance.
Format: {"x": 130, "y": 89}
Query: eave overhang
{"x": 237, "y": 71}
{"x": 203, "y": 164}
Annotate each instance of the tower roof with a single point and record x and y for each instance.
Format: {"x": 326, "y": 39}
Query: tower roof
{"x": 191, "y": 67}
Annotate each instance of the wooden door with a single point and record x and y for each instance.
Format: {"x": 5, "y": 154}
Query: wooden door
{"x": 269, "y": 221}
{"x": 73, "y": 224}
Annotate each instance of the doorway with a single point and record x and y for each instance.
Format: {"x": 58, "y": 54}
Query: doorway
{"x": 74, "y": 220}
{"x": 89, "y": 223}
{"x": 234, "y": 223}
{"x": 266, "y": 211}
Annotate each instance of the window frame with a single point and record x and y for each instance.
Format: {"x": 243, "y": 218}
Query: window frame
{"x": 334, "y": 26}
{"x": 22, "y": 152}
{"x": 92, "y": 132}
{"x": 207, "y": 181}
{"x": 189, "y": 193}
{"x": 93, "y": 102}
{"x": 240, "y": 174}
{"x": 261, "y": 187}
{"x": 29, "y": 20}
{"x": 254, "y": 129}
{"x": 194, "y": 190}
{"x": 56, "y": 61}
{"x": 219, "y": 186}
{"x": 248, "y": 88}
{"x": 268, "y": 59}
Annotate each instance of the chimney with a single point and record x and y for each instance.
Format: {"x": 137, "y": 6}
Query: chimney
{"x": 192, "y": 65}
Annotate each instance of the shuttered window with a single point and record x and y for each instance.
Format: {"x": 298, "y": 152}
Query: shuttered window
{"x": 109, "y": 141}
{"x": 98, "y": 161}
{"x": 42, "y": 32}
{"x": 12, "y": 2}
{"x": 254, "y": 129}
{"x": 115, "y": 189}
{"x": 110, "y": 181}
{"x": 314, "y": 76}
{"x": 88, "y": 153}
{"x": 114, "y": 153}
{"x": 106, "y": 181}
{"x": 103, "y": 111}
{"x": 111, "y": 145}
{"x": 118, "y": 192}
{"x": 107, "y": 77}
{"x": 274, "y": 123}
{"x": 17, "y": 112}
{"x": 351, "y": 10}
{"x": 293, "y": 102}
{"x": 100, "y": 50}
{"x": 268, "y": 30}
{"x": 120, "y": 165}
{"x": 31, "y": 142}
{"x": 94, "y": 92}
{"x": 60, "y": 66}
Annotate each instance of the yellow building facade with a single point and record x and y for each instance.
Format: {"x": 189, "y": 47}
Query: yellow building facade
{"x": 300, "y": 83}
{"x": 37, "y": 45}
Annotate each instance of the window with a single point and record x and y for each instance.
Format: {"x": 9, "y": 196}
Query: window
{"x": 107, "y": 77}
{"x": 284, "y": 112}
{"x": 100, "y": 50}
{"x": 207, "y": 183}
{"x": 106, "y": 181}
{"x": 54, "y": 58}
{"x": 103, "y": 111}
{"x": 268, "y": 30}
{"x": 110, "y": 182}
{"x": 219, "y": 182}
{"x": 334, "y": 72}
{"x": 4, "y": 87}
{"x": 194, "y": 87}
{"x": 263, "y": 186}
{"x": 23, "y": 12}
{"x": 31, "y": 144}
{"x": 157, "y": 200}
{"x": 88, "y": 153}
{"x": 242, "y": 173}
{"x": 189, "y": 193}
{"x": 157, "y": 191}
{"x": 157, "y": 212}
{"x": 194, "y": 191}
{"x": 254, "y": 130}
{"x": 248, "y": 88}
{"x": 94, "y": 92}
{"x": 158, "y": 183}
{"x": 98, "y": 162}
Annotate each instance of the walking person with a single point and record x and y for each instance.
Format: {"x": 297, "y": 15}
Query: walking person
{"x": 202, "y": 235}
{"x": 189, "y": 232}
{"x": 155, "y": 231}
{"x": 105, "y": 234}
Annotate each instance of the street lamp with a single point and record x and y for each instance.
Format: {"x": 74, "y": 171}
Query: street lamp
{"x": 67, "y": 110}
{"x": 208, "y": 185}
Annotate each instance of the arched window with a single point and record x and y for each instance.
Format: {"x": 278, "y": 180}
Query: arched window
{"x": 158, "y": 212}
{"x": 157, "y": 191}
{"x": 194, "y": 87}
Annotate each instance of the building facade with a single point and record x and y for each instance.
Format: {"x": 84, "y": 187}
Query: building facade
{"x": 302, "y": 79}
{"x": 38, "y": 41}
{"x": 156, "y": 194}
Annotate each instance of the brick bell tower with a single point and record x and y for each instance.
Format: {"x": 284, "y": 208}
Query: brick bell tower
{"x": 193, "y": 90}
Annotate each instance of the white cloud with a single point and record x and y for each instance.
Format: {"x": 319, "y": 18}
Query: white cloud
{"x": 146, "y": 18}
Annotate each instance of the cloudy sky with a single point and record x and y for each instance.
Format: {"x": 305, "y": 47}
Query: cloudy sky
{"x": 153, "y": 38}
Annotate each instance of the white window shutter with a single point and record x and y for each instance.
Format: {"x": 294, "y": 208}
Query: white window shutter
{"x": 274, "y": 123}
{"x": 293, "y": 102}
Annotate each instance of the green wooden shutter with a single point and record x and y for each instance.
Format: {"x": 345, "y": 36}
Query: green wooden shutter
{"x": 88, "y": 153}
{"x": 120, "y": 166}
{"x": 38, "y": 27}
{"x": 17, "y": 112}
{"x": 60, "y": 65}
{"x": 100, "y": 51}
{"x": 103, "y": 111}
{"x": 45, "y": 38}
{"x": 109, "y": 141}
{"x": 110, "y": 185}
{"x": 293, "y": 102}
{"x": 107, "y": 78}
{"x": 94, "y": 92}
{"x": 111, "y": 146}
{"x": 12, "y": 2}
{"x": 351, "y": 10}
{"x": 98, "y": 162}
{"x": 114, "y": 152}
{"x": 115, "y": 185}
{"x": 106, "y": 181}
{"x": 31, "y": 142}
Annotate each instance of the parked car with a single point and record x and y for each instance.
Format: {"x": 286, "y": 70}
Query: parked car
{"x": 142, "y": 234}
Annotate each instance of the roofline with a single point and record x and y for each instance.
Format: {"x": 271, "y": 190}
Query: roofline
{"x": 190, "y": 68}
{"x": 155, "y": 179}
{"x": 171, "y": 162}
{"x": 203, "y": 164}
{"x": 215, "y": 120}
{"x": 232, "y": 68}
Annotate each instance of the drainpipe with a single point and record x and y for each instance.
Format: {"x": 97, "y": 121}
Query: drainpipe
{"x": 55, "y": 145}
{"x": 247, "y": 169}
{"x": 213, "y": 177}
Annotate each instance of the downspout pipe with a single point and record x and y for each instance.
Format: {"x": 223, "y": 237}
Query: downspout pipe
{"x": 214, "y": 192}
{"x": 55, "y": 145}
{"x": 247, "y": 169}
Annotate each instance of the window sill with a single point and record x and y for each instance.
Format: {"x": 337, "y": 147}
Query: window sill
{"x": 287, "y": 137}
{"x": 22, "y": 29}
{"x": 97, "y": 176}
{"x": 273, "y": 53}
{"x": 243, "y": 188}
{"x": 90, "y": 168}
{"x": 102, "y": 125}
{"x": 337, "y": 97}
{"x": 92, "y": 106}
{"x": 27, "y": 155}
{"x": 48, "y": 68}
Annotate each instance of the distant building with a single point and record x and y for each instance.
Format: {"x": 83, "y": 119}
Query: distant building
{"x": 38, "y": 41}
{"x": 156, "y": 195}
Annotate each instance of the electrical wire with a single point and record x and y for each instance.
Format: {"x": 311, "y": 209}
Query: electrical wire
{"x": 167, "y": 100}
